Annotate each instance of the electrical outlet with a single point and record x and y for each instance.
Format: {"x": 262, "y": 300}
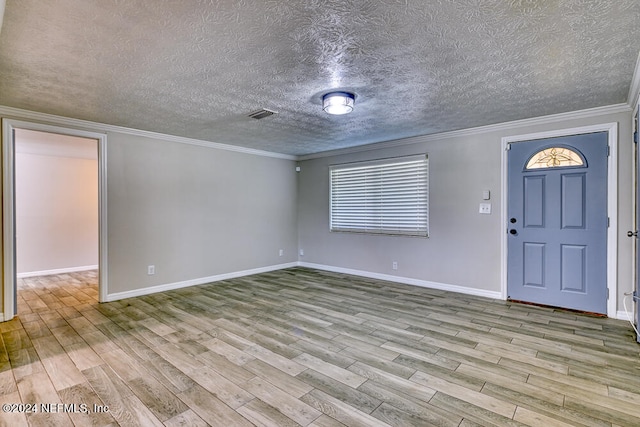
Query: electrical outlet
{"x": 485, "y": 208}
{"x": 394, "y": 265}
{"x": 151, "y": 270}
{"x": 281, "y": 252}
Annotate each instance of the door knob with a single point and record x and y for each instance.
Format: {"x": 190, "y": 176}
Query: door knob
{"x": 632, "y": 234}
{"x": 513, "y": 220}
{"x": 514, "y": 232}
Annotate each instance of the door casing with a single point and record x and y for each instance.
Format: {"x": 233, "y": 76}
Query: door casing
{"x": 612, "y": 203}
{"x": 8, "y": 207}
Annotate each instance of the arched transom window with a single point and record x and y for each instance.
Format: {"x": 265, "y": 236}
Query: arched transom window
{"x": 555, "y": 157}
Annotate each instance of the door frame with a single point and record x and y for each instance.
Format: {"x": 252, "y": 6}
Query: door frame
{"x": 612, "y": 203}
{"x": 9, "y": 281}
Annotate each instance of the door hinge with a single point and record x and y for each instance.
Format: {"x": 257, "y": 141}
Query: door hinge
{"x": 508, "y": 147}
{"x": 608, "y": 151}
{"x": 608, "y": 222}
{"x": 607, "y": 294}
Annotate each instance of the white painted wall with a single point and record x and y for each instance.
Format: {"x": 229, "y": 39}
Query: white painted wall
{"x": 56, "y": 203}
{"x": 464, "y": 247}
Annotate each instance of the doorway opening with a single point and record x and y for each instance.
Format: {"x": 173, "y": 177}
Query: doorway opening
{"x": 54, "y": 209}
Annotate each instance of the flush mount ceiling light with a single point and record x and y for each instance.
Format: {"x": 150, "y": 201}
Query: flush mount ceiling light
{"x": 338, "y": 102}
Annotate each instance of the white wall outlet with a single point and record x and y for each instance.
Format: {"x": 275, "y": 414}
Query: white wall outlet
{"x": 301, "y": 252}
{"x": 151, "y": 270}
{"x": 281, "y": 252}
{"x": 485, "y": 208}
{"x": 394, "y": 265}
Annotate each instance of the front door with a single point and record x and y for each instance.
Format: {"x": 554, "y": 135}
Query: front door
{"x": 557, "y": 210}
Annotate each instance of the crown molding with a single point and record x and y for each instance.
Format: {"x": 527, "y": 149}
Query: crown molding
{"x": 554, "y": 118}
{"x": 634, "y": 88}
{"x": 19, "y": 114}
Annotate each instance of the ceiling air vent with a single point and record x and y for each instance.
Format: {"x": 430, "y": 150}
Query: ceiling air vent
{"x": 261, "y": 114}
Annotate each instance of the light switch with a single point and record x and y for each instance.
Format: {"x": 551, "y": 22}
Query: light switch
{"x": 486, "y": 194}
{"x": 485, "y": 208}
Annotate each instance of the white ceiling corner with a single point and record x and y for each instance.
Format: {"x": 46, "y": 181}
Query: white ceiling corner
{"x": 196, "y": 69}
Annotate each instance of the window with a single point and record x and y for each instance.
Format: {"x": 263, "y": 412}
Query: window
{"x": 387, "y": 196}
{"x": 555, "y": 157}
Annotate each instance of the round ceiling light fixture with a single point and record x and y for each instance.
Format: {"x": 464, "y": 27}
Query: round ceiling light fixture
{"x": 338, "y": 102}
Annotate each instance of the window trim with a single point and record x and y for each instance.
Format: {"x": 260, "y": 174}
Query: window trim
{"x": 421, "y": 202}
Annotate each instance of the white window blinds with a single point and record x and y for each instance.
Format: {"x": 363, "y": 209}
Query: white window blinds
{"x": 389, "y": 196}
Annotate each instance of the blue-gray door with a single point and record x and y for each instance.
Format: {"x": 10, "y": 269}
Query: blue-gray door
{"x": 557, "y": 213}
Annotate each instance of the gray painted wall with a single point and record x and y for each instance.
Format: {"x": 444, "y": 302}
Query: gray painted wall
{"x": 464, "y": 246}
{"x": 194, "y": 212}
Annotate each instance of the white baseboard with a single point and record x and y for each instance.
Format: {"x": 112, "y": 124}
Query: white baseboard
{"x": 406, "y": 280}
{"x": 193, "y": 282}
{"x": 56, "y": 271}
{"x": 398, "y": 279}
{"x": 622, "y": 315}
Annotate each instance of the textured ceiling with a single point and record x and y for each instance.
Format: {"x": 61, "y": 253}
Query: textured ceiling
{"x": 197, "y": 68}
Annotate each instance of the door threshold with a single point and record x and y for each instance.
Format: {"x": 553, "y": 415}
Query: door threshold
{"x": 570, "y": 310}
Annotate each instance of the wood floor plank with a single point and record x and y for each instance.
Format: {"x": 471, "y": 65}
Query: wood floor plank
{"x": 83, "y": 356}
{"x": 224, "y": 389}
{"x": 359, "y": 400}
{"x": 123, "y": 405}
{"x": 25, "y": 362}
{"x": 404, "y": 385}
{"x": 7, "y": 383}
{"x": 326, "y": 421}
{"x": 62, "y": 371}
{"x": 162, "y": 403}
{"x": 397, "y": 418}
{"x": 186, "y": 419}
{"x": 291, "y": 367}
{"x": 38, "y": 388}
{"x": 409, "y": 404}
{"x": 264, "y": 415}
{"x": 532, "y": 418}
{"x": 341, "y": 411}
{"x": 339, "y": 374}
{"x": 306, "y": 347}
{"x": 83, "y": 394}
{"x": 296, "y": 409}
{"x": 292, "y": 384}
{"x": 11, "y": 418}
{"x": 472, "y": 415}
{"x": 233, "y": 354}
{"x": 569, "y": 385}
{"x": 543, "y": 406}
{"x": 506, "y": 409}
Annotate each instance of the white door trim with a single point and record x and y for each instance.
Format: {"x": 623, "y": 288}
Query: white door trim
{"x": 612, "y": 203}
{"x": 8, "y": 207}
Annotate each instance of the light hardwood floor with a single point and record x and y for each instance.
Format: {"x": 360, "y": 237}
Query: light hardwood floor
{"x": 304, "y": 347}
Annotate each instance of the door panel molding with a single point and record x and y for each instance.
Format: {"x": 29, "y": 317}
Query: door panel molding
{"x": 612, "y": 202}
